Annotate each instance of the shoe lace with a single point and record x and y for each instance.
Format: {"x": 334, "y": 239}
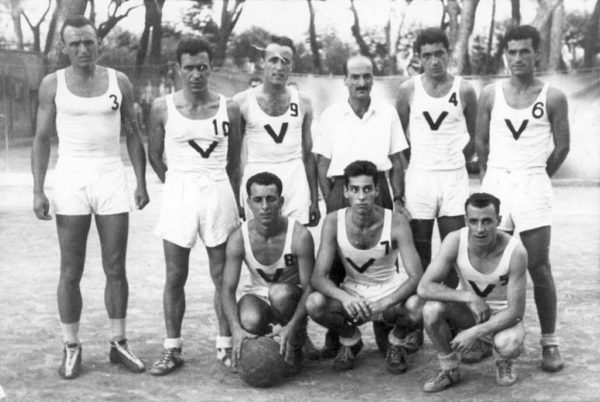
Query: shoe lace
{"x": 344, "y": 354}
{"x": 412, "y": 338}
{"x": 166, "y": 357}
{"x": 71, "y": 352}
{"x": 395, "y": 353}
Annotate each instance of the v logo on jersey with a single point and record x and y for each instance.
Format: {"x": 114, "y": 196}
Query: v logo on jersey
{"x": 203, "y": 153}
{"x": 278, "y": 138}
{"x": 435, "y": 125}
{"x": 484, "y": 292}
{"x": 363, "y": 267}
{"x": 275, "y": 276}
{"x": 516, "y": 133}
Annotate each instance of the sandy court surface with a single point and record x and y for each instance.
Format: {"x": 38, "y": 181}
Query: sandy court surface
{"x": 31, "y": 349}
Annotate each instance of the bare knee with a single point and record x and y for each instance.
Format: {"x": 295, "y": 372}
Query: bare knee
{"x": 283, "y": 293}
{"x": 508, "y": 342}
{"x": 254, "y": 318}
{"x": 315, "y": 305}
{"x": 176, "y": 278}
{"x": 433, "y": 312}
{"x": 414, "y": 306}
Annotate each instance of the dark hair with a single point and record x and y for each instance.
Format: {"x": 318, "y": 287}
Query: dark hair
{"x": 429, "y": 36}
{"x": 345, "y": 66}
{"x": 360, "y": 168}
{"x": 193, "y": 46}
{"x": 482, "y": 200}
{"x": 264, "y": 179}
{"x": 522, "y": 32}
{"x": 76, "y": 21}
{"x": 283, "y": 41}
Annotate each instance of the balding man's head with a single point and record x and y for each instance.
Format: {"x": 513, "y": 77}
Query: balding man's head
{"x": 359, "y": 59}
{"x": 359, "y": 78}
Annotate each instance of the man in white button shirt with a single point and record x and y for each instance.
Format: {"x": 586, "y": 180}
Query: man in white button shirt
{"x": 359, "y": 128}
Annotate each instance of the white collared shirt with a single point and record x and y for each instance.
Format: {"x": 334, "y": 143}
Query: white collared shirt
{"x": 343, "y": 137}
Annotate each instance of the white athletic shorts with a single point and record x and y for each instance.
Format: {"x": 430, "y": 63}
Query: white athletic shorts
{"x": 296, "y": 192}
{"x": 525, "y": 198}
{"x": 372, "y": 292}
{"x": 84, "y": 187}
{"x": 432, "y": 194}
{"x": 196, "y": 205}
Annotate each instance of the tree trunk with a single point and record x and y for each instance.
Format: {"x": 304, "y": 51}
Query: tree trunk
{"x": 362, "y": 45}
{"x": 453, "y": 10}
{"x": 461, "y": 54}
{"x": 556, "y": 38}
{"x": 228, "y": 21}
{"x": 590, "y": 40}
{"x": 515, "y": 12}
{"x": 15, "y": 13}
{"x": 488, "y": 53}
{"x": 314, "y": 45}
{"x": 152, "y": 29}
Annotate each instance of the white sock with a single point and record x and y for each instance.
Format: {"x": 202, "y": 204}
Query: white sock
{"x": 70, "y": 332}
{"x": 173, "y": 343}
{"x": 549, "y": 340}
{"x": 117, "y": 329}
{"x": 224, "y": 342}
{"x": 449, "y": 361}
{"x": 351, "y": 341}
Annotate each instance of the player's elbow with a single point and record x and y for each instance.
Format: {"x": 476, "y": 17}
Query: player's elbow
{"x": 423, "y": 290}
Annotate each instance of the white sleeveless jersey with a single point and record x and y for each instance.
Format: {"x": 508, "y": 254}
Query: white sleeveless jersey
{"x": 374, "y": 266}
{"x": 492, "y": 286}
{"x": 520, "y": 138}
{"x": 438, "y": 130}
{"x": 88, "y": 127}
{"x": 274, "y": 139}
{"x": 197, "y": 146}
{"x": 284, "y": 270}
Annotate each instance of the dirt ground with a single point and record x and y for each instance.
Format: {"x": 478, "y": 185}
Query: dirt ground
{"x": 31, "y": 348}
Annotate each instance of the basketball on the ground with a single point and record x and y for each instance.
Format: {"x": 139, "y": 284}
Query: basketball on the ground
{"x": 260, "y": 364}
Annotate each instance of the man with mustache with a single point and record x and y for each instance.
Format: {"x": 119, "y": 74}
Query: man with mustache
{"x": 198, "y": 132}
{"x": 359, "y": 128}
{"x": 522, "y": 139}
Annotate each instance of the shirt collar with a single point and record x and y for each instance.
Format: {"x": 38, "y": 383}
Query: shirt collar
{"x": 347, "y": 109}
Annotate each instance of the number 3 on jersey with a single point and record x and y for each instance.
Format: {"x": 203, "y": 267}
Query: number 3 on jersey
{"x": 115, "y": 104}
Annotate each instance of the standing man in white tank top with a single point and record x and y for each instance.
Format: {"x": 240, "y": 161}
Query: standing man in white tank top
{"x": 489, "y": 303}
{"x": 522, "y": 139}
{"x": 276, "y": 121}
{"x": 87, "y": 105}
{"x": 279, "y": 254}
{"x": 438, "y": 111}
{"x": 198, "y": 132}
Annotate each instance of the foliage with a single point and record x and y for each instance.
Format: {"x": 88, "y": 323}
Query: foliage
{"x": 248, "y": 45}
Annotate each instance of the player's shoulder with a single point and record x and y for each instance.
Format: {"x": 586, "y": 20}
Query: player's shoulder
{"x": 399, "y": 219}
{"x": 241, "y": 96}
{"x": 331, "y": 218}
{"x": 408, "y": 85}
{"x": 452, "y": 239}
{"x": 300, "y": 234}
{"x": 488, "y": 93}
{"x": 48, "y": 84}
{"x": 555, "y": 96}
{"x": 465, "y": 85}
{"x": 235, "y": 240}
{"x": 233, "y": 106}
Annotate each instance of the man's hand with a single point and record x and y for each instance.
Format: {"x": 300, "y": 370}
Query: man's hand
{"x": 401, "y": 209}
{"x": 238, "y": 337}
{"x": 314, "y": 215}
{"x": 376, "y": 307}
{"x": 285, "y": 334}
{"x": 41, "y": 206}
{"x": 465, "y": 340}
{"x": 141, "y": 197}
{"x": 481, "y": 311}
{"x": 357, "y": 308}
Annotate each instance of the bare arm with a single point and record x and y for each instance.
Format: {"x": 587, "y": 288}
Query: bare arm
{"x": 469, "y": 101}
{"x": 156, "y": 137}
{"x": 558, "y": 114}
{"x": 303, "y": 246}
{"x": 402, "y": 236}
{"x": 40, "y": 154}
{"x": 135, "y": 147}
{"x": 403, "y": 100}
{"x": 231, "y": 277}
{"x": 397, "y": 182}
{"x": 515, "y": 294}
{"x": 324, "y": 181}
{"x": 234, "y": 149}
{"x": 482, "y": 130}
{"x": 310, "y": 164}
